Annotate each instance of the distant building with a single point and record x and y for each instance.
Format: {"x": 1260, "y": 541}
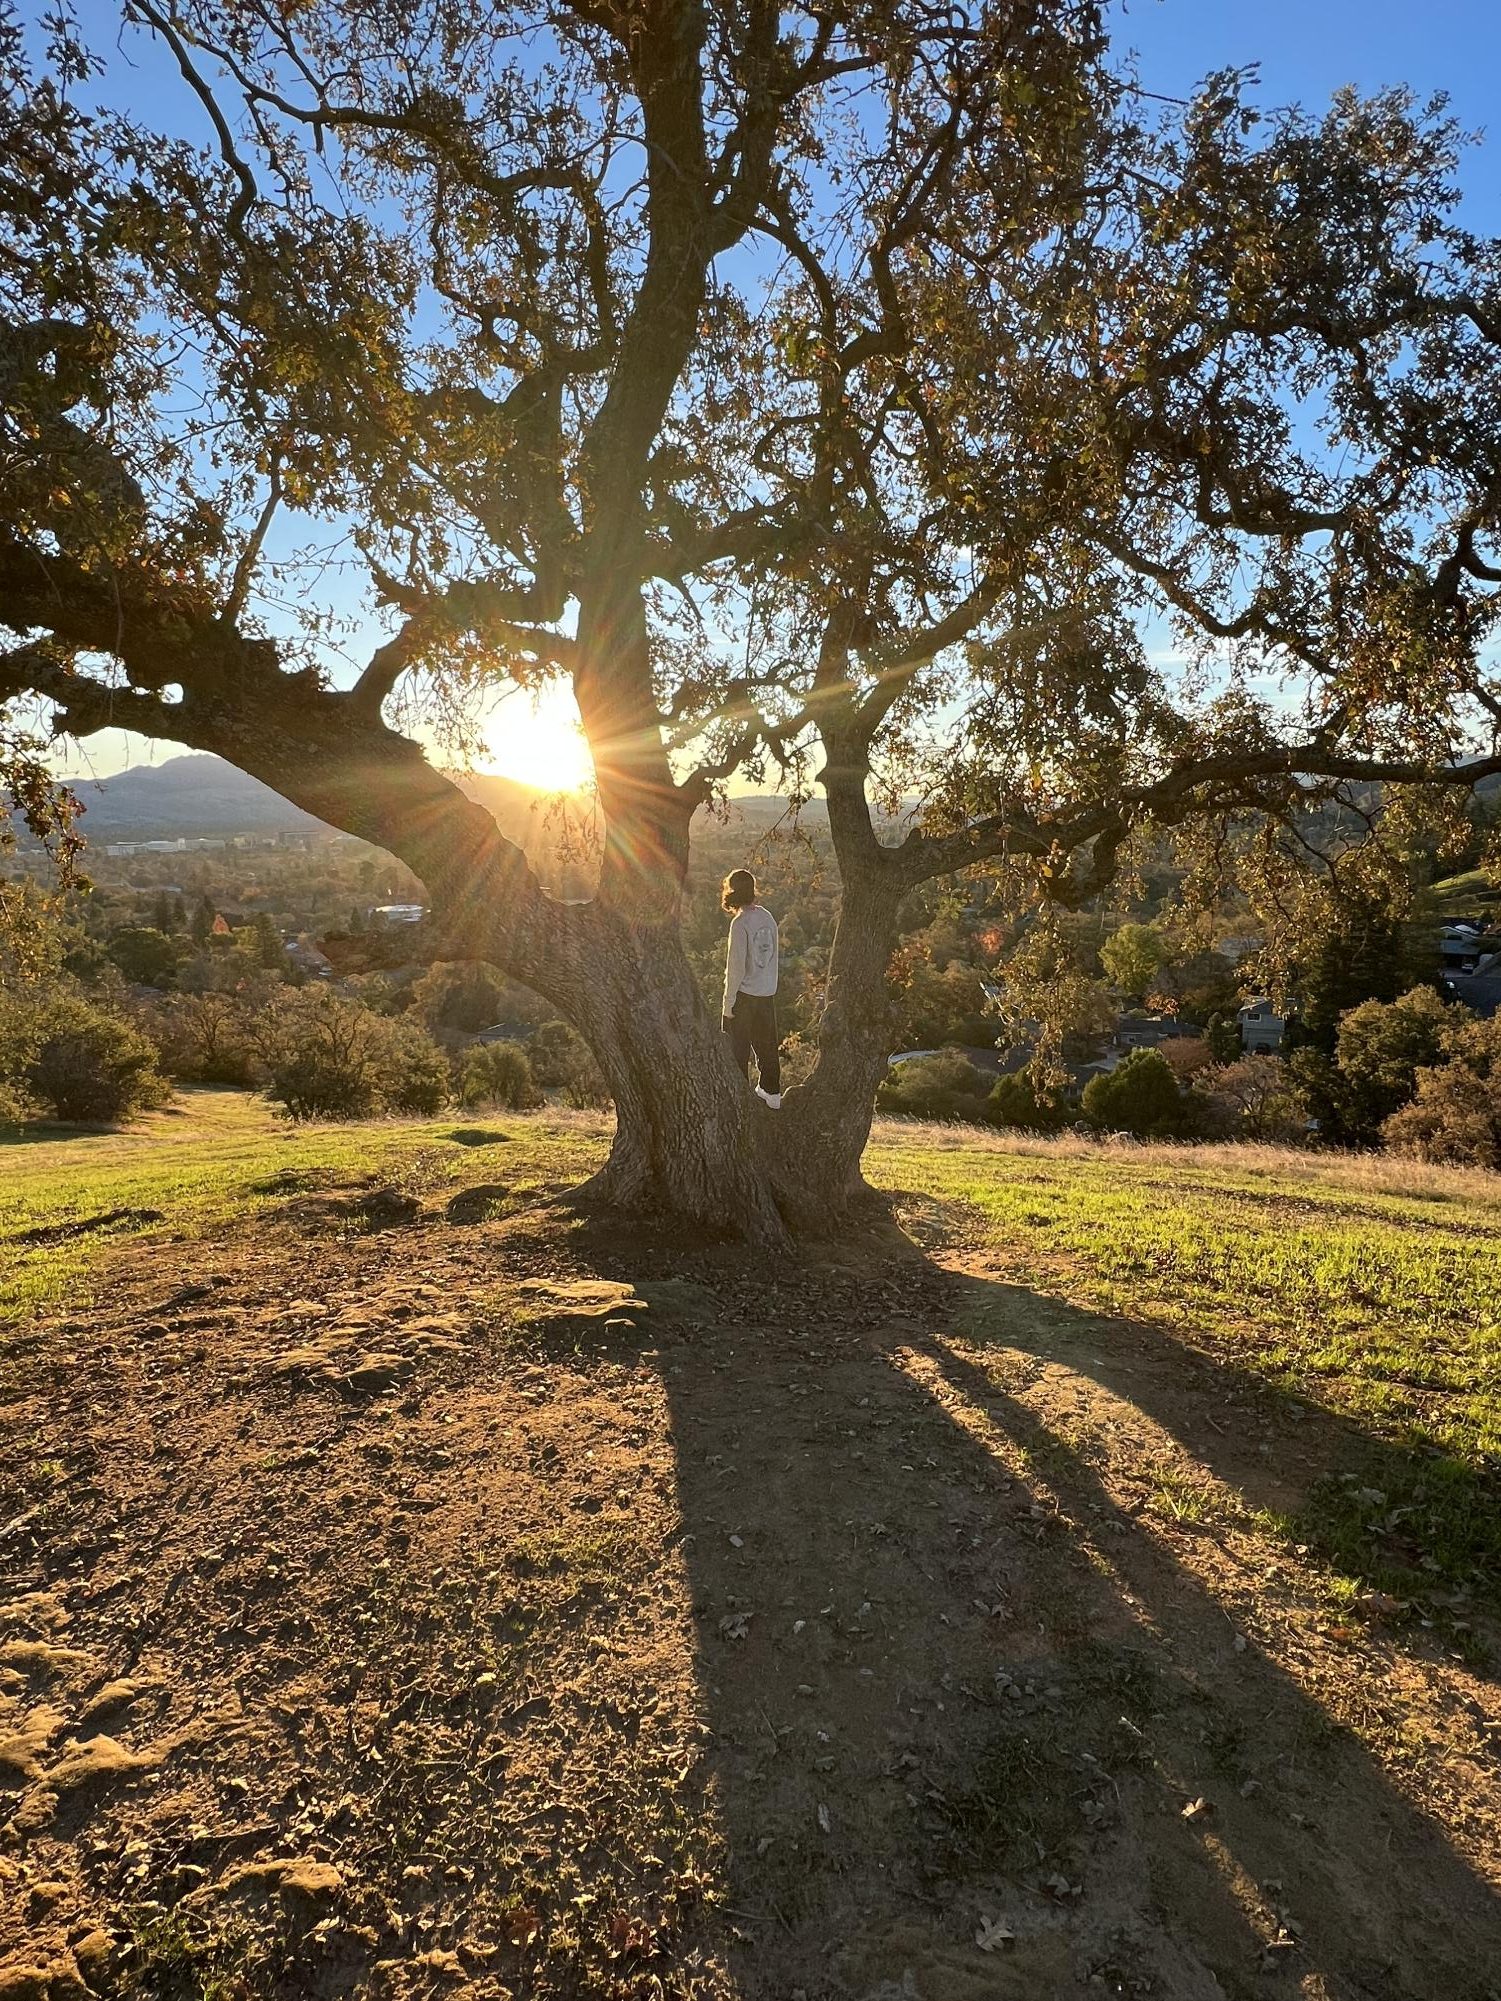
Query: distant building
{"x": 1460, "y": 947}
{"x": 1479, "y": 988}
{"x": 1137, "y": 1029}
{"x": 399, "y": 913}
{"x": 1261, "y": 1027}
{"x": 177, "y": 847}
{"x": 307, "y": 958}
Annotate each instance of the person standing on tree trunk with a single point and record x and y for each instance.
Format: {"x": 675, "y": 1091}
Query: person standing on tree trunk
{"x": 750, "y": 985}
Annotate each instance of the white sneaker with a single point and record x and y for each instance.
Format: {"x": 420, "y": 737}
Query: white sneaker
{"x": 767, "y": 1099}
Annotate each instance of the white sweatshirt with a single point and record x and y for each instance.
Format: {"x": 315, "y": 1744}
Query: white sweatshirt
{"x": 751, "y": 964}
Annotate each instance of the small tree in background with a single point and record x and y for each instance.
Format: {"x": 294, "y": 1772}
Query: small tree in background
{"x": 464, "y": 997}
{"x": 330, "y": 1058}
{"x": 945, "y": 1085}
{"x": 1015, "y": 1102}
{"x": 497, "y": 1073}
{"x": 1254, "y": 1098}
{"x": 1362, "y": 952}
{"x": 561, "y": 1060}
{"x": 1187, "y": 1055}
{"x": 203, "y": 1038}
{"x": 1140, "y": 1096}
{"x": 1379, "y": 1049}
{"x": 1456, "y": 1113}
{"x": 414, "y": 1073}
{"x": 89, "y": 1064}
{"x": 270, "y": 952}
{"x": 145, "y": 956}
{"x": 1222, "y": 1036}
{"x": 1133, "y": 958}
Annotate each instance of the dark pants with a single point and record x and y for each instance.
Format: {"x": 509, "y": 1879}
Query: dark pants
{"x": 753, "y": 1026}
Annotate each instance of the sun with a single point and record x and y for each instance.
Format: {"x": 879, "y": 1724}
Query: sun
{"x": 538, "y": 740}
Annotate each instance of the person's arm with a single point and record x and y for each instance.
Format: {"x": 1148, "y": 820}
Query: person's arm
{"x": 734, "y": 964}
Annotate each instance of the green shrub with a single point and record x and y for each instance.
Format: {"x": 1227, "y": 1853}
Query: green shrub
{"x": 1140, "y": 1096}
{"x": 146, "y": 956}
{"x": 88, "y": 1064}
{"x": 414, "y": 1071}
{"x": 320, "y": 1080}
{"x": 1014, "y": 1102}
{"x": 497, "y": 1073}
{"x": 561, "y": 1060}
{"x": 945, "y": 1085}
{"x": 330, "y": 1058}
{"x": 1379, "y": 1049}
{"x": 1254, "y": 1098}
{"x": 1456, "y": 1115}
{"x": 466, "y": 997}
{"x": 205, "y": 1038}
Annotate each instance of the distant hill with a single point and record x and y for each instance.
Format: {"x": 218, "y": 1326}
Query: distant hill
{"x": 197, "y": 796}
{"x": 190, "y": 795}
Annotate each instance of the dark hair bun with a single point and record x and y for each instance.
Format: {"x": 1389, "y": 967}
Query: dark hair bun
{"x": 739, "y": 889}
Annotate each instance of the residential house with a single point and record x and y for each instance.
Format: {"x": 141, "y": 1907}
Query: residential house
{"x": 1261, "y": 1027}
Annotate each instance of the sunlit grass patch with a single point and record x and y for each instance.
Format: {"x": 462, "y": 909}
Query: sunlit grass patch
{"x": 218, "y": 1156}
{"x": 1368, "y": 1286}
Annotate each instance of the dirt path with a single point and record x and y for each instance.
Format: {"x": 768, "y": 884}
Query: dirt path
{"x": 515, "y": 1609}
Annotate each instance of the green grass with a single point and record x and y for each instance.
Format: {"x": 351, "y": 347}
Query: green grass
{"x": 218, "y": 1156}
{"x": 1388, "y": 1297}
{"x": 1366, "y": 1286}
{"x": 1477, "y": 889}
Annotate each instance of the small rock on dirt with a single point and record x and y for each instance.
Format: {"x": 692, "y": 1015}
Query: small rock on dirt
{"x": 294, "y": 1877}
{"x": 386, "y": 1208}
{"x": 95, "y": 1953}
{"x": 99, "y": 1761}
{"x": 23, "y": 1983}
{"x": 372, "y": 1373}
{"x": 473, "y": 1205}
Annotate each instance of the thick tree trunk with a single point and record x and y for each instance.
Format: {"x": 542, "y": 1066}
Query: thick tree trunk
{"x": 817, "y": 1147}
{"x": 690, "y": 1136}
{"x": 692, "y": 1140}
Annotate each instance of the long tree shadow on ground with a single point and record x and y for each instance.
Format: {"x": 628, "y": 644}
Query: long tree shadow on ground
{"x": 979, "y": 1727}
{"x": 898, "y": 1633}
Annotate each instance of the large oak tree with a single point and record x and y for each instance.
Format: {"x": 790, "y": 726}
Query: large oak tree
{"x": 854, "y": 390}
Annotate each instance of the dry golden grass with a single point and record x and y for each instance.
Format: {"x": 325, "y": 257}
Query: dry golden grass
{"x": 1358, "y": 1173}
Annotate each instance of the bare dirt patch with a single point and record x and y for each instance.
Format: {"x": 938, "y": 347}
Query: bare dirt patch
{"x": 528, "y": 1609}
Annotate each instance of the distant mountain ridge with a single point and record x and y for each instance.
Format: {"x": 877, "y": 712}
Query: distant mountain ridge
{"x": 189, "y": 795}
{"x": 198, "y": 796}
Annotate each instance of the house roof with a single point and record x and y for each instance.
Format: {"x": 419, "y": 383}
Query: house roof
{"x": 1480, "y": 992}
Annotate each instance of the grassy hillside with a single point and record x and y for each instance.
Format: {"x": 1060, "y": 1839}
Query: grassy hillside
{"x": 215, "y": 1159}
{"x": 1464, "y": 895}
{"x": 408, "y": 1586}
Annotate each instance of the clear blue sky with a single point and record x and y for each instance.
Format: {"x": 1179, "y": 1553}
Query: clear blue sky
{"x": 1305, "y": 50}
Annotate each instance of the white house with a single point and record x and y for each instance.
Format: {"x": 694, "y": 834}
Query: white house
{"x": 1260, "y": 1026}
